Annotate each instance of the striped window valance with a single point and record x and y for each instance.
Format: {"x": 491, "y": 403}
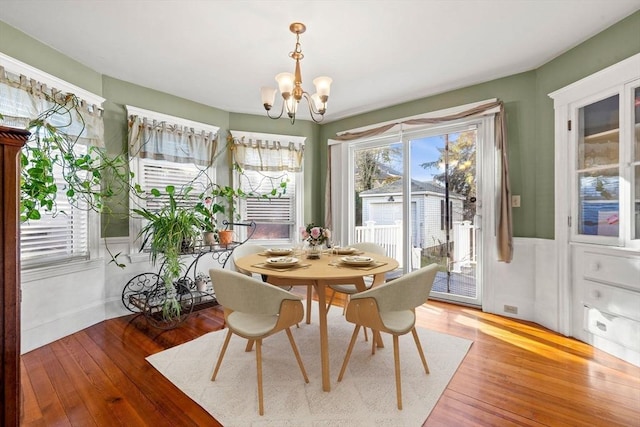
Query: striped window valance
{"x": 23, "y": 99}
{"x": 159, "y": 137}
{"x": 266, "y": 152}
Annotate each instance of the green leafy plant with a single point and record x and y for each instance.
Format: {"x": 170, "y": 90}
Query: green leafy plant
{"x": 84, "y": 173}
{"x": 171, "y": 229}
{"x": 170, "y": 232}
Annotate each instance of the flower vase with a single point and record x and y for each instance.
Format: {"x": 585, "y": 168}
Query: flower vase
{"x": 314, "y": 251}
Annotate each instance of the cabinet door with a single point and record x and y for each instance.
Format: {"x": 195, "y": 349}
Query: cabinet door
{"x": 605, "y": 185}
{"x": 597, "y": 170}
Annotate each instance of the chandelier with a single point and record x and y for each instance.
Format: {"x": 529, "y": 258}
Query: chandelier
{"x": 290, "y": 86}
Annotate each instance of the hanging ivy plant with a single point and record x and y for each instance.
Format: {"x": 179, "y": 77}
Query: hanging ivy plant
{"x": 88, "y": 178}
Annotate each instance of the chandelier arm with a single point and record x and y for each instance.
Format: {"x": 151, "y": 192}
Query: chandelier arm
{"x": 312, "y": 109}
{"x": 279, "y": 115}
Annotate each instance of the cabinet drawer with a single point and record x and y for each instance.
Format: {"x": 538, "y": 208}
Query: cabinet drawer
{"x": 616, "y": 270}
{"x": 617, "y": 301}
{"x": 620, "y": 330}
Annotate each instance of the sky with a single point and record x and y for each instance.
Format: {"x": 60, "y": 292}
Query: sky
{"x": 423, "y": 150}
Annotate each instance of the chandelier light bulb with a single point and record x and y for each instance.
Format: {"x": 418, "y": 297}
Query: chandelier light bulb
{"x": 285, "y": 83}
{"x": 268, "y": 95}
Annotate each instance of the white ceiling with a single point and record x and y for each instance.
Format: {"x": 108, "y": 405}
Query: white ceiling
{"x": 379, "y": 53}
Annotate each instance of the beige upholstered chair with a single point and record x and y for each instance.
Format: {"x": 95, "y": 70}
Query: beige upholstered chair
{"x": 350, "y": 289}
{"x": 390, "y": 308}
{"x": 250, "y": 249}
{"x": 242, "y": 251}
{"x": 255, "y": 310}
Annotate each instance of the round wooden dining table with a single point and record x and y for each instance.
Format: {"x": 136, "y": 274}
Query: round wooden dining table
{"x": 329, "y": 269}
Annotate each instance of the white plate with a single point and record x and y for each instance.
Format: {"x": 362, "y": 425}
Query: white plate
{"x": 279, "y": 251}
{"x": 282, "y": 262}
{"x": 345, "y": 251}
{"x": 356, "y": 260}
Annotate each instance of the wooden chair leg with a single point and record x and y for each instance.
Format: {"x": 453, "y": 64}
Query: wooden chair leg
{"x": 259, "y": 366}
{"x": 366, "y": 338}
{"x": 333, "y": 294}
{"x": 249, "y": 346}
{"x": 221, "y": 355}
{"x": 297, "y": 354}
{"x": 396, "y": 358}
{"x": 373, "y": 342}
{"x": 344, "y": 307}
{"x": 354, "y": 336}
{"x": 417, "y": 340}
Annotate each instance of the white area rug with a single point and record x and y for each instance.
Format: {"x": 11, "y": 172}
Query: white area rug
{"x": 366, "y": 395}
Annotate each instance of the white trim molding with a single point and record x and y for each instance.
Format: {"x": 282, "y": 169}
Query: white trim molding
{"x": 14, "y": 66}
{"x": 173, "y": 120}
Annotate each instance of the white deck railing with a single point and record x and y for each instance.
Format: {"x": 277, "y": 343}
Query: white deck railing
{"x": 390, "y": 237}
{"x": 464, "y": 247}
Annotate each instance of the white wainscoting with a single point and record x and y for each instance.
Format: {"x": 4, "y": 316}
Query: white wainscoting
{"x": 529, "y": 283}
{"x": 57, "y": 302}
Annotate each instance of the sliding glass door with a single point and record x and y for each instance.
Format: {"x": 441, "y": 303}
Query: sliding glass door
{"x": 416, "y": 194}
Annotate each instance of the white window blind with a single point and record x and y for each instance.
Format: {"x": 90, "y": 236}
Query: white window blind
{"x": 275, "y": 217}
{"x": 26, "y": 92}
{"x": 64, "y": 236}
{"x": 159, "y": 174}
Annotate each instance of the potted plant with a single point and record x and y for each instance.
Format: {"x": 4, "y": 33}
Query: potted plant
{"x": 207, "y": 209}
{"x": 170, "y": 232}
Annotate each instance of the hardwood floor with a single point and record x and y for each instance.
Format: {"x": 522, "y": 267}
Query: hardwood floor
{"x": 515, "y": 374}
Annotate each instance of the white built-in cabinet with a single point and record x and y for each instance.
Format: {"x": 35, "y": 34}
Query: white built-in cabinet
{"x": 597, "y": 202}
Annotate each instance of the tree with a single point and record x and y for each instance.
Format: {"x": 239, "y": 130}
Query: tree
{"x": 461, "y": 159}
{"x": 370, "y": 172}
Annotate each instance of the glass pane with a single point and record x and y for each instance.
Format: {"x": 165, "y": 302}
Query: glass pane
{"x": 443, "y": 210}
{"x": 598, "y": 202}
{"x": 378, "y": 198}
{"x": 599, "y": 137}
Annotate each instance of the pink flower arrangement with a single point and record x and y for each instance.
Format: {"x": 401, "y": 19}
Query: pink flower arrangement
{"x": 315, "y": 235}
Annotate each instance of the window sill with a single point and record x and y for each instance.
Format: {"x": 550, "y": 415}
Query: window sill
{"x": 46, "y": 272}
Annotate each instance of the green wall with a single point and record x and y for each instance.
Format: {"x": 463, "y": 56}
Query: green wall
{"x": 530, "y": 117}
{"x": 616, "y": 43}
{"x": 518, "y": 94}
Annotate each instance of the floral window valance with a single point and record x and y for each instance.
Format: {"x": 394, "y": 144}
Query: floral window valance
{"x": 265, "y": 152}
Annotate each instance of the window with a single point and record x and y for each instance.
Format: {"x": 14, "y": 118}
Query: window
{"x": 275, "y": 217}
{"x": 72, "y": 232}
{"x": 166, "y": 150}
{"x": 267, "y": 161}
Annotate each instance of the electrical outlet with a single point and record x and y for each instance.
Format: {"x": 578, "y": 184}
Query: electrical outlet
{"x": 515, "y": 201}
{"x": 510, "y": 309}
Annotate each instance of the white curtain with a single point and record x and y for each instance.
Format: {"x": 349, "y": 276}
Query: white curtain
{"x": 268, "y": 155}
{"x": 151, "y": 139}
{"x": 23, "y": 99}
